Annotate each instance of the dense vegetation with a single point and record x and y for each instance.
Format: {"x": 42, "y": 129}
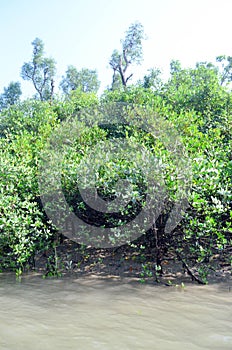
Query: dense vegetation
{"x": 195, "y": 102}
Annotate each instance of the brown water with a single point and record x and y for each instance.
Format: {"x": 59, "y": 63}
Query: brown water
{"x": 39, "y": 314}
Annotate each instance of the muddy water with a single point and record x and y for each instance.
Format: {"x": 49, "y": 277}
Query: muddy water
{"x": 39, "y": 314}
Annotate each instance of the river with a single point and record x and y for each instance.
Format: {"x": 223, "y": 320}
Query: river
{"x": 90, "y": 313}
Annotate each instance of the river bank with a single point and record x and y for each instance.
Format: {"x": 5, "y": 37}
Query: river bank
{"x": 128, "y": 262}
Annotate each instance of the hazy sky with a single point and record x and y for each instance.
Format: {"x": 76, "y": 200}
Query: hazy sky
{"x": 85, "y": 32}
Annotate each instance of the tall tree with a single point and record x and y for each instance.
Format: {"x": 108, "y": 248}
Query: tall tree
{"x": 86, "y": 80}
{"x": 40, "y": 71}
{"x": 11, "y": 95}
{"x": 131, "y": 53}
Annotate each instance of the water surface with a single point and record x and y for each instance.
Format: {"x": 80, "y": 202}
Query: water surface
{"x": 104, "y": 314}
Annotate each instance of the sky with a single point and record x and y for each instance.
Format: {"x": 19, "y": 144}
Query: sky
{"x": 84, "y": 33}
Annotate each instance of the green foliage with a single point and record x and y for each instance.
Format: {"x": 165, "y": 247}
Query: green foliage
{"x": 207, "y": 225}
{"x": 199, "y": 90}
{"x": 79, "y": 155}
{"x": 200, "y": 109}
{"x": 23, "y": 229}
{"x": 209, "y": 221}
{"x": 11, "y": 95}
{"x": 136, "y": 95}
{"x": 193, "y": 102}
{"x": 31, "y": 116}
{"x": 152, "y": 80}
{"x": 75, "y": 103}
{"x": 85, "y": 80}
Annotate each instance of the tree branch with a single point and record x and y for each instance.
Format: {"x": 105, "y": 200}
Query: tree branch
{"x": 189, "y": 271}
{"x": 129, "y": 77}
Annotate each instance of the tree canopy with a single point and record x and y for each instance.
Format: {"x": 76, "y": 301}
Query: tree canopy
{"x": 11, "y": 95}
{"x": 86, "y": 80}
{"x": 40, "y": 71}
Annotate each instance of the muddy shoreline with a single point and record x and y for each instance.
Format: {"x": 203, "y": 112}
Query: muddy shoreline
{"x": 69, "y": 259}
